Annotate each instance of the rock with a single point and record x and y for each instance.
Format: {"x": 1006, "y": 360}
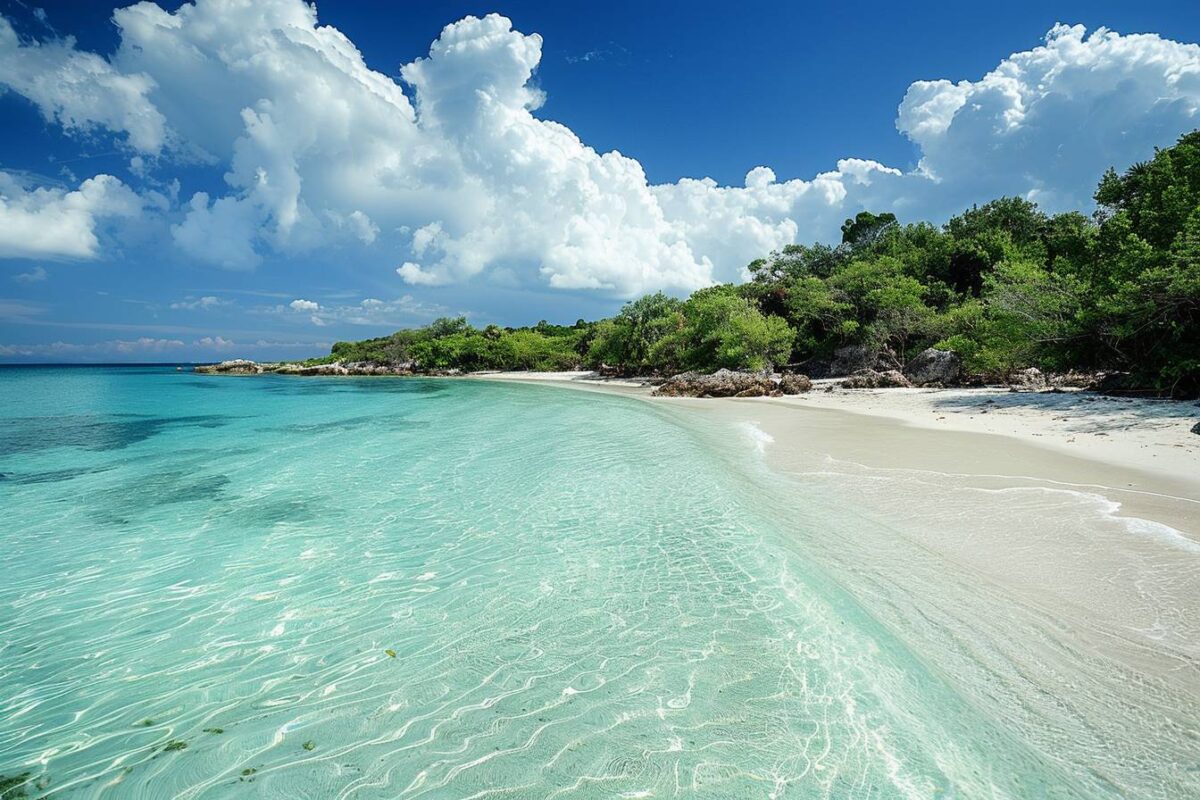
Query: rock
{"x": 856, "y": 357}
{"x": 722, "y": 383}
{"x": 873, "y": 379}
{"x": 794, "y": 383}
{"x": 850, "y": 359}
{"x": 1196, "y": 429}
{"x": 934, "y": 366}
{"x": 1072, "y": 380}
{"x": 1027, "y": 380}
{"x": 1115, "y": 383}
{"x": 236, "y": 366}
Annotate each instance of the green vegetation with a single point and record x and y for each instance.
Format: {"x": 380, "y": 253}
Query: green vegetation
{"x": 454, "y": 344}
{"x": 1003, "y": 284}
{"x": 13, "y": 787}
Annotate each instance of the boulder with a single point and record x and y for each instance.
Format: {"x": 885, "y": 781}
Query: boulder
{"x": 851, "y": 359}
{"x": 1071, "y": 380}
{"x": 1027, "y": 380}
{"x": 794, "y": 383}
{"x": 873, "y": 379}
{"x": 722, "y": 383}
{"x": 1115, "y": 383}
{"x": 1196, "y": 429}
{"x": 934, "y": 366}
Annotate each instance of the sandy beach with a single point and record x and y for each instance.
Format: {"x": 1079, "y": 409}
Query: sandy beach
{"x": 1053, "y": 538}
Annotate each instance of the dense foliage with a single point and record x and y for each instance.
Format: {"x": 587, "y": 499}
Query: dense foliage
{"x": 1004, "y": 284}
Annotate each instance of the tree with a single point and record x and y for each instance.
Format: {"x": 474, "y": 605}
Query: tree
{"x": 630, "y": 337}
{"x": 724, "y": 330}
{"x": 866, "y": 228}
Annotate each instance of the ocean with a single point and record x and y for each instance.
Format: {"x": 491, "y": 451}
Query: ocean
{"x": 384, "y": 588}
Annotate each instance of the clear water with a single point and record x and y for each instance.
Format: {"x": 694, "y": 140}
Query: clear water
{"x": 334, "y": 588}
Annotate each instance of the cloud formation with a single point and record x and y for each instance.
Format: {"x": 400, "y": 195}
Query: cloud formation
{"x": 199, "y": 303}
{"x": 35, "y": 275}
{"x": 460, "y": 179}
{"x": 52, "y": 222}
{"x": 80, "y": 90}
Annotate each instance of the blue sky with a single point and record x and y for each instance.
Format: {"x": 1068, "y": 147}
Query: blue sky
{"x": 234, "y": 179}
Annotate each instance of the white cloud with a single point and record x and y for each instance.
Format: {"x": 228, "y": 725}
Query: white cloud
{"x": 80, "y": 90}
{"x": 35, "y": 275}
{"x": 1046, "y": 122}
{"x": 141, "y": 345}
{"x": 399, "y": 312}
{"x": 53, "y": 222}
{"x": 199, "y": 303}
{"x": 320, "y": 150}
{"x": 413, "y": 274}
{"x": 222, "y": 234}
{"x": 215, "y": 343}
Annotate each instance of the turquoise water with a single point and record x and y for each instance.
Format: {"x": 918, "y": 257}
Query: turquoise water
{"x": 335, "y": 588}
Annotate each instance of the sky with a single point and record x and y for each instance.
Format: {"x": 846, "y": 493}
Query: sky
{"x": 261, "y": 178}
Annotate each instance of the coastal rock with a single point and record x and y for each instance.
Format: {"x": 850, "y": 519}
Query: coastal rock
{"x": 850, "y": 359}
{"x": 934, "y": 366}
{"x": 235, "y": 366}
{"x": 1072, "y": 380}
{"x": 1114, "y": 383}
{"x": 873, "y": 379}
{"x": 722, "y": 383}
{"x": 1196, "y": 429}
{"x": 794, "y": 383}
{"x": 1027, "y": 380}
{"x": 856, "y": 357}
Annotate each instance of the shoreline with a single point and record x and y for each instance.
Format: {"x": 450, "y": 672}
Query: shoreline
{"x": 1147, "y": 436}
{"x": 1035, "y": 565}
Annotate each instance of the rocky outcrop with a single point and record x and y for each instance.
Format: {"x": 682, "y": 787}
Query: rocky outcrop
{"x": 874, "y": 379}
{"x": 934, "y": 366}
{"x": 241, "y": 366}
{"x": 794, "y": 383}
{"x": 236, "y": 366}
{"x": 1027, "y": 380}
{"x": 1072, "y": 380}
{"x": 1196, "y": 429}
{"x": 722, "y": 383}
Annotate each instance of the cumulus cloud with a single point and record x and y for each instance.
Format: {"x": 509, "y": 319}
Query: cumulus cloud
{"x": 54, "y": 222}
{"x": 304, "y": 305}
{"x": 80, "y": 90}
{"x": 461, "y": 179}
{"x": 1047, "y": 121}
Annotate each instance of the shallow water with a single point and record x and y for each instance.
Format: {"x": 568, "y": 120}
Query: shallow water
{"x": 319, "y": 588}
